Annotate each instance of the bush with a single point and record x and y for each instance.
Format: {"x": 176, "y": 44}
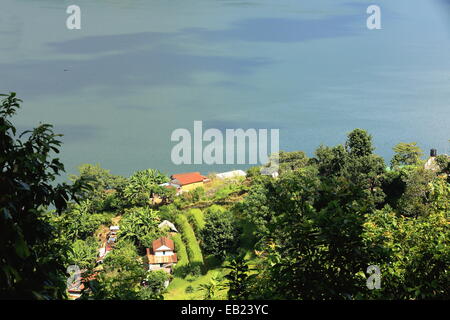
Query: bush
{"x": 192, "y": 247}
{"x": 181, "y": 269}
{"x": 104, "y": 218}
{"x": 189, "y": 289}
{"x": 195, "y": 217}
{"x": 154, "y": 284}
{"x": 168, "y": 212}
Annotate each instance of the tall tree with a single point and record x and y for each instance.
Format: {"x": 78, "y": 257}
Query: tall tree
{"x": 406, "y": 154}
{"x": 359, "y": 143}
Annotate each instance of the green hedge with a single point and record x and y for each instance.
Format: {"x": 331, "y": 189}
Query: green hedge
{"x": 181, "y": 269}
{"x": 197, "y": 220}
{"x": 192, "y": 247}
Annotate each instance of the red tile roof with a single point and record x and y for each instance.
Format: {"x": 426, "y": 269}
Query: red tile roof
{"x": 188, "y": 178}
{"x": 163, "y": 241}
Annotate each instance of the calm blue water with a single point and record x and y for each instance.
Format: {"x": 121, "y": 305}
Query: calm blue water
{"x": 138, "y": 69}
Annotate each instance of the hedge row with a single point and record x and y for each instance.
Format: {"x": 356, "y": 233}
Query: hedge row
{"x": 196, "y": 219}
{"x": 192, "y": 247}
{"x": 182, "y": 267}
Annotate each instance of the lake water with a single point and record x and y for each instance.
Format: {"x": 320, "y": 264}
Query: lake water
{"x": 138, "y": 69}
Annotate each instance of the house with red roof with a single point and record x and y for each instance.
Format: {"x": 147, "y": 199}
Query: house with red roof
{"x": 188, "y": 181}
{"x": 162, "y": 256}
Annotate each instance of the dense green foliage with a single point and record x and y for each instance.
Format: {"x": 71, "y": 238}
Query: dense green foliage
{"x": 32, "y": 259}
{"x": 290, "y": 161}
{"x": 154, "y": 285}
{"x": 311, "y": 233}
{"x": 239, "y": 279}
{"x": 121, "y": 276}
{"x": 323, "y": 224}
{"x": 84, "y": 253}
{"x": 79, "y": 221}
{"x": 406, "y": 154}
{"x": 140, "y": 224}
{"x": 106, "y": 190}
{"x": 220, "y": 235}
{"x": 144, "y": 185}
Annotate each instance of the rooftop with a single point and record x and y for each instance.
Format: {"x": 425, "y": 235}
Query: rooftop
{"x": 163, "y": 241}
{"x": 188, "y": 178}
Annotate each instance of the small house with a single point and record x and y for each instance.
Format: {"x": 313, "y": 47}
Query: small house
{"x": 188, "y": 181}
{"x": 162, "y": 256}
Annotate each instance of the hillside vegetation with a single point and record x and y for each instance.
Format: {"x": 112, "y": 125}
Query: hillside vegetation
{"x": 317, "y": 231}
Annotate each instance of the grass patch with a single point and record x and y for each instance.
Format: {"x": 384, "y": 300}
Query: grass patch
{"x": 177, "y": 288}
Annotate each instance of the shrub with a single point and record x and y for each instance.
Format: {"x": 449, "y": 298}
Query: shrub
{"x": 168, "y": 212}
{"x": 189, "y": 289}
{"x": 192, "y": 246}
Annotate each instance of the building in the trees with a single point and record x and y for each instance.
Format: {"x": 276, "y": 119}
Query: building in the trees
{"x": 188, "y": 181}
{"x": 162, "y": 256}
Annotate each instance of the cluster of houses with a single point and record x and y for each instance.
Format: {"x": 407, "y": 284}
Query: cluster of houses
{"x": 77, "y": 287}
{"x": 161, "y": 256}
{"x": 109, "y": 244}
